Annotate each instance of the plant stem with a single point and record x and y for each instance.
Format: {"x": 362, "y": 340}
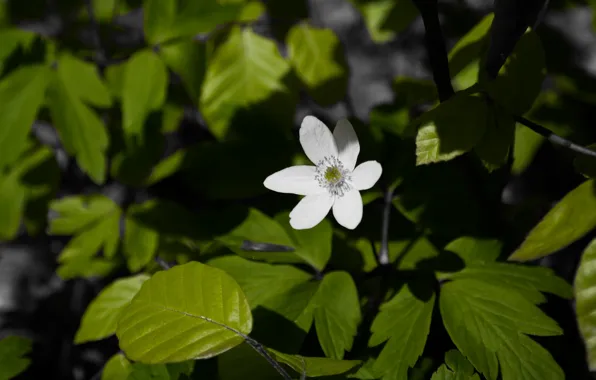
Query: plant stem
{"x": 553, "y": 138}
{"x": 258, "y": 347}
{"x": 384, "y": 251}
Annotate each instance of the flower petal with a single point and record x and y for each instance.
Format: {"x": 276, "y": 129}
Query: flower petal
{"x": 294, "y": 180}
{"x": 311, "y": 210}
{"x": 316, "y": 139}
{"x": 347, "y": 143}
{"x": 366, "y": 175}
{"x": 347, "y": 210}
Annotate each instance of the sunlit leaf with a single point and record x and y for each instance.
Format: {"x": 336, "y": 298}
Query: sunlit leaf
{"x": 21, "y": 95}
{"x": 314, "y": 367}
{"x": 202, "y": 307}
{"x": 246, "y": 69}
{"x": 403, "y": 323}
{"x": 457, "y": 367}
{"x": 569, "y": 220}
{"x": 140, "y": 241}
{"x": 385, "y": 18}
{"x": 526, "y": 145}
{"x": 318, "y": 59}
{"x": 117, "y": 368}
{"x": 585, "y": 296}
{"x": 101, "y": 316}
{"x": 189, "y": 60}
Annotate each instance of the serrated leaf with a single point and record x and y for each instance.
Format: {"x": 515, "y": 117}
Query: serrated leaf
{"x": 202, "y": 307}
{"x": 117, "y": 368}
{"x": 585, "y": 164}
{"x": 143, "y": 91}
{"x": 528, "y": 281}
{"x": 337, "y": 313}
{"x": 259, "y": 281}
{"x": 140, "y": 240}
{"x": 585, "y": 296}
{"x": 520, "y": 79}
{"x": 84, "y": 81}
{"x": 188, "y": 59}
{"x": 82, "y": 132}
{"x": 457, "y": 367}
{"x": 488, "y": 323}
{"x": 246, "y": 69}
{"x": 11, "y": 39}
{"x": 403, "y": 322}
{"x": 101, "y": 316}
{"x": 317, "y": 57}
{"x": 475, "y": 250}
{"x": 569, "y": 220}
{"x": 314, "y": 367}
{"x": 12, "y": 362}
{"x": 312, "y": 245}
{"x": 94, "y": 220}
{"x": 21, "y": 95}
{"x": 444, "y": 134}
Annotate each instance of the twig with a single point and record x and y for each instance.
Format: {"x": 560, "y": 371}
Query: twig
{"x": 100, "y": 56}
{"x": 258, "y": 347}
{"x": 384, "y": 251}
{"x": 555, "y": 139}
{"x": 435, "y": 47}
{"x": 162, "y": 263}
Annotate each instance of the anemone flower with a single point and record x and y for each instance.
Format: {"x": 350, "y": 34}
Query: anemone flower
{"x": 333, "y": 182}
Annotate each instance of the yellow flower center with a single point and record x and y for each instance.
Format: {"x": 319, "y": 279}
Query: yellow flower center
{"x": 333, "y": 174}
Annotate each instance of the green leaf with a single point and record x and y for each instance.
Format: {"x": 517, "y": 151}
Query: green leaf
{"x": 312, "y": 245}
{"x": 12, "y": 204}
{"x": 585, "y": 304}
{"x": 188, "y": 59}
{"x": 475, "y": 250}
{"x": 117, "y": 368}
{"x": 158, "y": 15}
{"x": 528, "y": 281}
{"x": 259, "y": 281}
{"x": 140, "y": 240}
{"x": 318, "y": 58}
{"x": 493, "y": 148}
{"x": 337, "y": 313}
{"x": 143, "y": 91}
{"x": 385, "y": 18}
{"x": 520, "y": 79}
{"x": 201, "y": 307}
{"x": 570, "y": 219}
{"x": 12, "y": 39}
{"x": 86, "y": 267}
{"x": 82, "y": 132}
{"x": 488, "y": 323}
{"x": 115, "y": 78}
{"x": 12, "y": 350}
{"x": 101, "y": 316}
{"x": 403, "y": 322}
{"x": 192, "y": 17}
{"x": 246, "y": 69}
{"x": 243, "y": 362}
{"x": 464, "y": 57}
{"x": 21, "y": 95}
{"x": 451, "y": 129}
{"x": 84, "y": 81}
{"x": 95, "y": 221}
{"x": 457, "y": 367}
{"x": 314, "y": 367}
{"x": 585, "y": 164}
{"x": 526, "y": 145}
{"x": 140, "y": 371}
{"x": 259, "y": 228}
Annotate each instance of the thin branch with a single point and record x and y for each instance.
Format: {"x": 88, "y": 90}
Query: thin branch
{"x": 435, "y": 47}
{"x": 162, "y": 263}
{"x": 555, "y": 139}
{"x": 100, "y": 56}
{"x": 384, "y": 251}
{"x": 258, "y": 347}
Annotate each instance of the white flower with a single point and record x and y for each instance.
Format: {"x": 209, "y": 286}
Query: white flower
{"x": 332, "y": 182}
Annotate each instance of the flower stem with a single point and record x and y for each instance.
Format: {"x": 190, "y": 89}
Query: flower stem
{"x": 384, "y": 251}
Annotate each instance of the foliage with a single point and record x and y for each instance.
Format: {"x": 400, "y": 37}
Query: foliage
{"x": 204, "y": 278}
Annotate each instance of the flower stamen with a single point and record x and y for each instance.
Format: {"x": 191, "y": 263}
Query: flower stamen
{"x": 333, "y": 176}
